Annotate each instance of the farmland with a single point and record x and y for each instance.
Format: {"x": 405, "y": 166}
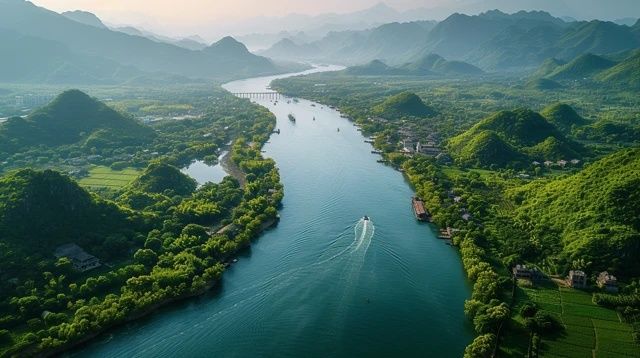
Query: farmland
{"x": 101, "y": 177}
{"x": 588, "y": 330}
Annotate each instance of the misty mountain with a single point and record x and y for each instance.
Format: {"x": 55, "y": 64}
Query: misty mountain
{"x": 145, "y": 54}
{"x": 84, "y": 17}
{"x": 36, "y": 60}
{"x": 493, "y": 41}
{"x": 393, "y": 43}
{"x": 191, "y": 43}
{"x": 429, "y": 65}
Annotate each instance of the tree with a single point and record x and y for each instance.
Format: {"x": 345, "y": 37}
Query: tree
{"x": 146, "y": 257}
{"x": 481, "y": 347}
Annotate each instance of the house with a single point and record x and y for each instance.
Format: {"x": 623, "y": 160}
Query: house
{"x": 408, "y": 146}
{"x": 562, "y": 163}
{"x": 81, "y": 260}
{"x": 523, "y": 272}
{"x": 575, "y": 161}
{"x": 548, "y": 163}
{"x": 577, "y": 279}
{"x": 607, "y": 281}
{"x": 535, "y": 163}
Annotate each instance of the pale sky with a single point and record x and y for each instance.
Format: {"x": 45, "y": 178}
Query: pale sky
{"x": 184, "y": 16}
{"x": 214, "y": 17}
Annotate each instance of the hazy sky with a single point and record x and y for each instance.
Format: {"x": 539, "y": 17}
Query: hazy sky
{"x": 209, "y": 17}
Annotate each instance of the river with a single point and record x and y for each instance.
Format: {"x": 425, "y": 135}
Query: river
{"x": 322, "y": 283}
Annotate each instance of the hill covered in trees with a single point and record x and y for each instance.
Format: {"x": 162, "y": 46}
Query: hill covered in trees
{"x": 510, "y": 137}
{"x": 621, "y": 70}
{"x": 428, "y": 65}
{"x": 563, "y": 116}
{"x": 72, "y": 118}
{"x": 593, "y": 215}
{"x": 159, "y": 178}
{"x": 402, "y": 105}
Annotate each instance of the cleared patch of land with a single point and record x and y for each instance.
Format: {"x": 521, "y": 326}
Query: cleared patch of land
{"x": 104, "y": 177}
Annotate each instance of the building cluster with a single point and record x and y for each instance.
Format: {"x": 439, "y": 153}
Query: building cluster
{"x": 411, "y": 144}
{"x": 605, "y": 281}
{"x": 526, "y": 273}
{"x": 81, "y": 260}
{"x": 560, "y": 163}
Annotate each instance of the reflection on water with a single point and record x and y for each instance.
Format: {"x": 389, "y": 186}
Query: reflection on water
{"x": 204, "y": 173}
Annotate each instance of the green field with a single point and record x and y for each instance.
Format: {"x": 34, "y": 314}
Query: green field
{"x": 589, "y": 330}
{"x": 101, "y": 177}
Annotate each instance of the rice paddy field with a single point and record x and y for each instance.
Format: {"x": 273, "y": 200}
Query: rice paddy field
{"x": 589, "y": 330}
{"x": 101, "y": 177}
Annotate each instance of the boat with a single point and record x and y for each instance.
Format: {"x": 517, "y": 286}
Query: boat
{"x": 365, "y": 218}
{"x": 291, "y": 117}
{"x": 338, "y": 129}
{"x": 235, "y": 260}
{"x": 314, "y": 118}
{"x": 419, "y": 210}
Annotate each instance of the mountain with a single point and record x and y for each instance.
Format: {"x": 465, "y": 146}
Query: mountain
{"x": 40, "y": 210}
{"x": 594, "y": 214}
{"x": 84, "y": 17}
{"x": 492, "y": 41}
{"x": 548, "y": 67}
{"x": 436, "y": 63}
{"x": 597, "y": 37}
{"x": 393, "y": 43}
{"x": 373, "y": 68}
{"x": 624, "y": 74}
{"x": 43, "y": 61}
{"x": 72, "y": 118}
{"x": 511, "y": 136}
{"x": 483, "y": 149}
{"x": 191, "y": 43}
{"x": 582, "y": 67}
{"x": 145, "y": 54}
{"x": 403, "y": 104}
{"x": 563, "y": 116}
{"x": 429, "y": 65}
{"x": 160, "y": 177}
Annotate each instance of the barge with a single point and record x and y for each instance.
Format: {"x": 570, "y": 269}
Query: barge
{"x": 419, "y": 209}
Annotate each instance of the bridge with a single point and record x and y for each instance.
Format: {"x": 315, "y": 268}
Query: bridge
{"x": 258, "y": 95}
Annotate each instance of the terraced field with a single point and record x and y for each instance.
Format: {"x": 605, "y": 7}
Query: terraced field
{"x": 101, "y": 177}
{"x": 590, "y": 330}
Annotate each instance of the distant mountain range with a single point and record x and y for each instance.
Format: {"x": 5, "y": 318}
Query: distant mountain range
{"x": 493, "y": 41}
{"x": 64, "y": 43}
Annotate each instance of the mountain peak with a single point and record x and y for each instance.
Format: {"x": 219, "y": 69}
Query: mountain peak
{"x": 229, "y": 45}
{"x": 84, "y": 17}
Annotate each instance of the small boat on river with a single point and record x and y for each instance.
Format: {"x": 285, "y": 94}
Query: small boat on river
{"x": 291, "y": 117}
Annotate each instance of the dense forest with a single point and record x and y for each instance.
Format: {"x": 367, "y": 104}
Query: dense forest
{"x": 158, "y": 239}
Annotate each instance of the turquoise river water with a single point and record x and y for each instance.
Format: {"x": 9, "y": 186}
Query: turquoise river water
{"x": 323, "y": 283}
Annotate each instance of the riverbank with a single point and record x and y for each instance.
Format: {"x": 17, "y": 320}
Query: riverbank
{"x": 232, "y": 168}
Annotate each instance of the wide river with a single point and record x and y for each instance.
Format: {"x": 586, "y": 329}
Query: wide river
{"x": 322, "y": 283}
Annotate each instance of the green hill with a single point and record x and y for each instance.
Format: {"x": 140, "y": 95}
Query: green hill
{"x": 435, "y": 63}
{"x": 483, "y": 149}
{"x": 563, "y": 116}
{"x": 73, "y": 118}
{"x": 512, "y": 136}
{"x": 626, "y": 73}
{"x": 42, "y": 209}
{"x": 582, "y": 67}
{"x": 158, "y": 178}
{"x": 403, "y": 104}
{"x": 594, "y": 215}
{"x": 548, "y": 67}
{"x": 373, "y": 68}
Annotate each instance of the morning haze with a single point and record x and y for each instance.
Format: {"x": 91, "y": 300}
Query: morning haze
{"x": 446, "y": 178}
